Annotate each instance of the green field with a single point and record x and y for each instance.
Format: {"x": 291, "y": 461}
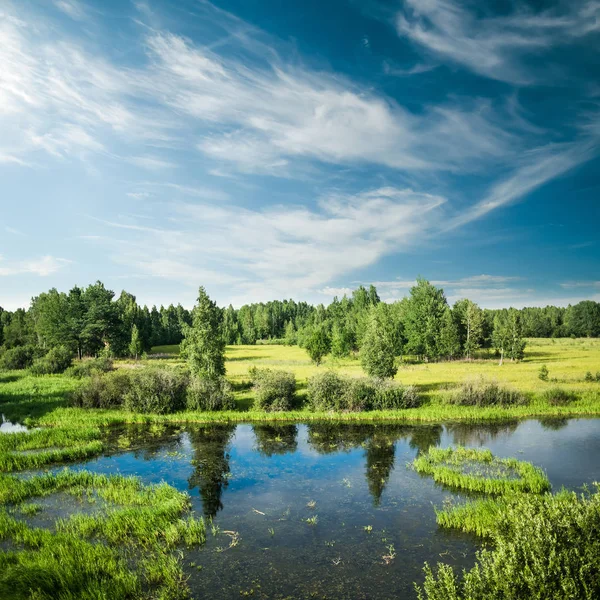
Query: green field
{"x": 44, "y": 399}
{"x": 567, "y": 360}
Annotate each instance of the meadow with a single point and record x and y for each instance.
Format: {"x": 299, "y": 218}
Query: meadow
{"x": 44, "y": 399}
{"x": 149, "y": 563}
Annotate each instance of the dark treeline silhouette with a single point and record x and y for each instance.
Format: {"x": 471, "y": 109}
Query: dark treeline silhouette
{"x": 92, "y": 321}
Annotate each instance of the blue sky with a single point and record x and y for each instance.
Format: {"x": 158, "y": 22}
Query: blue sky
{"x": 271, "y": 149}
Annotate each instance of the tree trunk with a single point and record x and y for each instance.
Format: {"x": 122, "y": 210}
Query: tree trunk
{"x": 501, "y": 355}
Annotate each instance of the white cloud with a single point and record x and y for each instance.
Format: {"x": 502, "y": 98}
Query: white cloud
{"x": 278, "y": 251}
{"x": 494, "y": 46}
{"x": 541, "y": 166}
{"x": 580, "y": 284}
{"x": 276, "y": 113}
{"x": 73, "y": 8}
{"x": 43, "y": 266}
{"x": 151, "y": 162}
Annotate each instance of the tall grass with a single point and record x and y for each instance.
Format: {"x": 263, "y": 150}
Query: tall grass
{"x": 479, "y": 471}
{"x": 123, "y": 552}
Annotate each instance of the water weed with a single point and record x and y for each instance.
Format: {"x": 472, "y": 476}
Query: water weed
{"x": 479, "y": 471}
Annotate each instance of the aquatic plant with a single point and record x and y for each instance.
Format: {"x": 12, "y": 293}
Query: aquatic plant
{"x": 137, "y": 529}
{"x": 479, "y": 471}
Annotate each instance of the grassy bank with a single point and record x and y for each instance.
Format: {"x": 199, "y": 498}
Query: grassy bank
{"x": 42, "y": 400}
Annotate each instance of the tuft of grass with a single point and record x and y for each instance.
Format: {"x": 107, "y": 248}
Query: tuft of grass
{"x": 479, "y": 471}
{"x": 557, "y": 396}
{"x": 482, "y": 393}
{"x": 124, "y": 552}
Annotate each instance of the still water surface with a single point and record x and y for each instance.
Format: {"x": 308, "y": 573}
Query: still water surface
{"x": 266, "y": 483}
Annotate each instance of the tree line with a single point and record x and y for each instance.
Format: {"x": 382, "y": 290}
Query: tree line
{"x": 93, "y": 321}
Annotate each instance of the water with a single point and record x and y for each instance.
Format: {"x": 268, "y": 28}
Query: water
{"x": 7, "y": 426}
{"x": 264, "y": 483}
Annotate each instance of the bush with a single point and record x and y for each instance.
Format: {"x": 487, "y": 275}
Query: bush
{"x": 57, "y": 360}
{"x": 212, "y": 393}
{"x": 19, "y": 357}
{"x": 543, "y": 373}
{"x": 558, "y": 396}
{"x": 156, "y": 390}
{"x": 544, "y": 546}
{"x": 87, "y": 368}
{"x": 392, "y": 396}
{"x": 589, "y": 377}
{"x": 330, "y": 391}
{"x": 358, "y": 395}
{"x": 486, "y": 393}
{"x": 102, "y": 391}
{"x": 273, "y": 390}
{"x": 325, "y": 391}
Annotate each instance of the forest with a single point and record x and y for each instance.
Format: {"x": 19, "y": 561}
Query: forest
{"x": 93, "y": 321}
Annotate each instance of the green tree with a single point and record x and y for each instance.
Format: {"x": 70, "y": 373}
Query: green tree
{"x": 203, "y": 345}
{"x": 317, "y": 342}
{"x": 472, "y": 320}
{"x": 341, "y": 341}
{"x": 449, "y": 337}
{"x": 377, "y": 351}
{"x": 423, "y": 316}
{"x": 290, "y": 335}
{"x": 135, "y": 345}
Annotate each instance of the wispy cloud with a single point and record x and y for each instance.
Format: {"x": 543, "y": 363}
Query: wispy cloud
{"x": 580, "y": 284}
{"x": 73, "y": 8}
{"x": 279, "y": 250}
{"x": 43, "y": 266}
{"x": 541, "y": 166}
{"x": 495, "y": 46}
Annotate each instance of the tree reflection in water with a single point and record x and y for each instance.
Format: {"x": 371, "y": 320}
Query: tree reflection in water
{"x": 211, "y": 461}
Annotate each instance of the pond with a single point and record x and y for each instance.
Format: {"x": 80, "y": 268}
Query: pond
{"x": 330, "y": 510}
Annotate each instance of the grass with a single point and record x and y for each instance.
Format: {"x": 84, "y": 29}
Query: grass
{"x": 43, "y": 400}
{"x": 126, "y": 551}
{"x": 478, "y": 470}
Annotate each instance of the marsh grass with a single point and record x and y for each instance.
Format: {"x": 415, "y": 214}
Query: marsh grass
{"x": 124, "y": 552}
{"x": 479, "y": 471}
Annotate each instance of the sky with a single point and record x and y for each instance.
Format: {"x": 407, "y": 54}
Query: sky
{"x": 270, "y": 150}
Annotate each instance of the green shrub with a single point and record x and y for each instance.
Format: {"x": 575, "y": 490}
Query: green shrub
{"x": 358, "y": 395}
{"x": 92, "y": 366}
{"x": 213, "y": 393}
{"x": 543, "y": 373}
{"x": 156, "y": 390}
{"x": 57, "y": 360}
{"x": 102, "y": 391}
{"x": 558, "y": 396}
{"x": 330, "y": 391}
{"x": 545, "y": 546}
{"x": 390, "y": 396}
{"x": 486, "y": 393}
{"x": 273, "y": 389}
{"x": 325, "y": 391}
{"x": 19, "y": 357}
{"x": 589, "y": 377}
